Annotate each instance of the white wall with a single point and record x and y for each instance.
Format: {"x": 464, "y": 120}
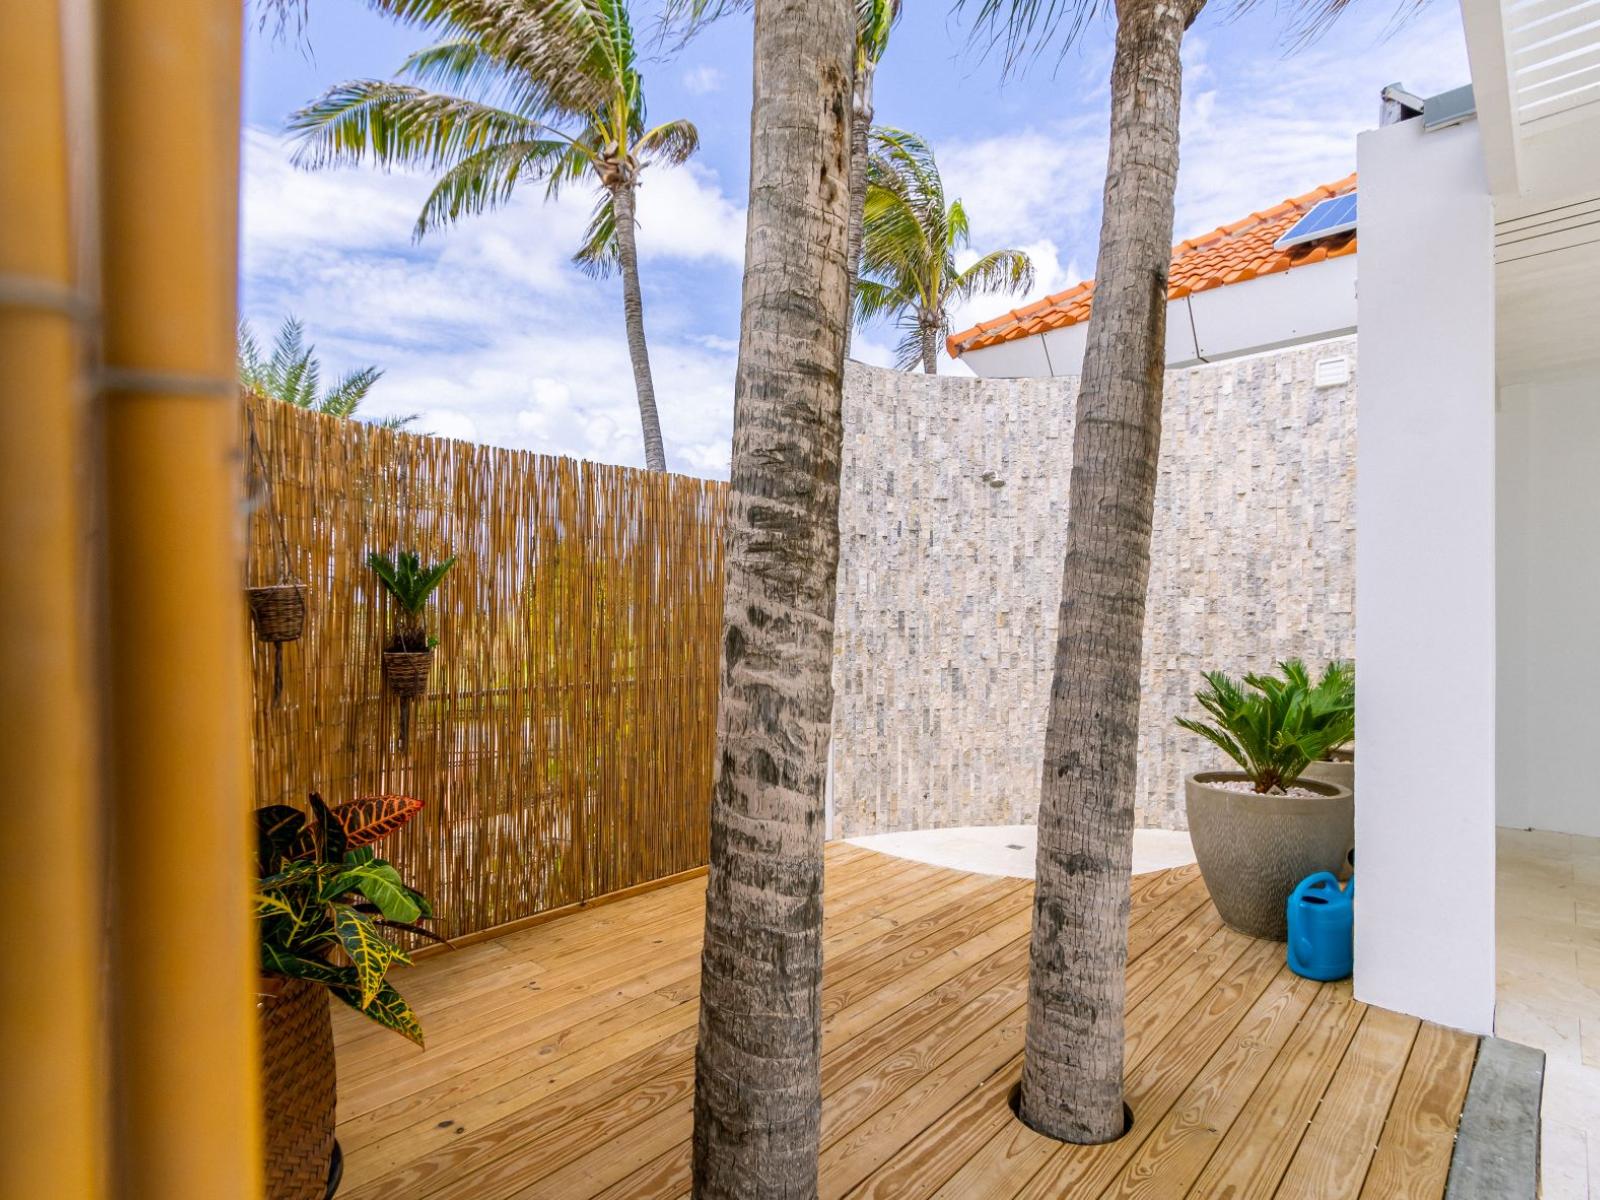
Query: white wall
{"x": 1304, "y": 304}
{"x": 1549, "y": 603}
{"x": 1425, "y": 578}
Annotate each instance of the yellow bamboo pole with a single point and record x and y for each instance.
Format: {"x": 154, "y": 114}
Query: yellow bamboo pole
{"x": 51, "y": 1132}
{"x": 183, "y": 961}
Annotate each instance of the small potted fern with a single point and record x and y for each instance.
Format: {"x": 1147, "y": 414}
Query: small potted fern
{"x": 408, "y": 658}
{"x": 1260, "y": 830}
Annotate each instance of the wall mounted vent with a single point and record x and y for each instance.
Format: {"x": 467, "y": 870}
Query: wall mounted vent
{"x": 1331, "y": 372}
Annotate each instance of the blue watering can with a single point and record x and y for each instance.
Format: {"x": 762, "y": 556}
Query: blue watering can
{"x": 1321, "y": 926}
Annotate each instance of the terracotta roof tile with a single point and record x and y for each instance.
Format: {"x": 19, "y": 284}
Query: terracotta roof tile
{"x": 1229, "y": 254}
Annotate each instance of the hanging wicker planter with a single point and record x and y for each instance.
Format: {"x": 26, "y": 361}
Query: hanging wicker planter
{"x": 406, "y": 672}
{"x": 299, "y": 1089}
{"x": 278, "y": 611}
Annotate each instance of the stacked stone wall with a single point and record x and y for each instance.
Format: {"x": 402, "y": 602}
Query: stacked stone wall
{"x": 953, "y": 518}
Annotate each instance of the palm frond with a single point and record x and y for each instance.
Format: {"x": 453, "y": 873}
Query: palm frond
{"x": 875, "y": 20}
{"x": 599, "y": 254}
{"x": 346, "y": 396}
{"x": 997, "y": 271}
{"x": 1021, "y": 30}
{"x": 874, "y": 300}
{"x": 1274, "y": 726}
{"x": 292, "y": 373}
{"x": 400, "y": 125}
{"x": 672, "y": 142}
{"x": 401, "y": 422}
{"x": 486, "y": 179}
{"x": 559, "y": 51}
{"x": 909, "y": 236}
{"x": 908, "y": 350}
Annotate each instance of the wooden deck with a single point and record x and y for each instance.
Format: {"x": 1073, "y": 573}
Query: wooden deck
{"x": 560, "y": 1059}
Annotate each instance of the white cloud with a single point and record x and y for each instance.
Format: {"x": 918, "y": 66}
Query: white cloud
{"x": 684, "y": 214}
{"x": 1028, "y": 184}
{"x": 703, "y": 80}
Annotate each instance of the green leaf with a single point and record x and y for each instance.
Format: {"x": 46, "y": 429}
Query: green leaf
{"x": 299, "y": 873}
{"x": 388, "y": 1008}
{"x": 1282, "y": 723}
{"x": 380, "y": 883}
{"x": 284, "y": 962}
{"x": 369, "y": 953}
{"x": 278, "y": 828}
{"x": 269, "y": 904}
{"x": 330, "y": 833}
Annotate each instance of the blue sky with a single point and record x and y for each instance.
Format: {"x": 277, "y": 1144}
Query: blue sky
{"x": 488, "y": 331}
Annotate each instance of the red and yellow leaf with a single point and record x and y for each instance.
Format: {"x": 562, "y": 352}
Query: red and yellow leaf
{"x": 370, "y": 818}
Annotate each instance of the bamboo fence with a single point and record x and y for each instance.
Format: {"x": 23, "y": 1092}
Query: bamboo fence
{"x": 564, "y": 750}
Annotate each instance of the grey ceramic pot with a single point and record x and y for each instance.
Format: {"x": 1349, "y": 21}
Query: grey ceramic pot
{"x": 1339, "y": 769}
{"x": 1253, "y": 849}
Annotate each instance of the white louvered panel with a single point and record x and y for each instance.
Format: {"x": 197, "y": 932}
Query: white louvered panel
{"x": 1550, "y": 20}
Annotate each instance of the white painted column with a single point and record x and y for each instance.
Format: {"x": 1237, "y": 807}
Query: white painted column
{"x": 1425, "y": 578}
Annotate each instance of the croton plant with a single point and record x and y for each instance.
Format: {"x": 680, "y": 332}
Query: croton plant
{"x": 322, "y": 888}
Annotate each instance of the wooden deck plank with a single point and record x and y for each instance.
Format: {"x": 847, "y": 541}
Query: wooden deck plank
{"x": 1175, "y": 1152}
{"x": 1252, "y": 1156}
{"x": 587, "y": 986}
{"x": 981, "y": 1142}
{"x": 1413, "y": 1155}
{"x": 409, "y": 1108}
{"x": 507, "y": 1132}
{"x": 1244, "y": 1079}
{"x": 1154, "y": 1082}
{"x": 1334, "y": 1154}
{"x": 469, "y": 989}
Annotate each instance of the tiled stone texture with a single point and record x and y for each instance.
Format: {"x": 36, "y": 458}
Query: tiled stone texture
{"x": 953, "y": 516}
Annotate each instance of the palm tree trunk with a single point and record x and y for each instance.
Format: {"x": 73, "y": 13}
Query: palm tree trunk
{"x": 623, "y": 209}
{"x": 1072, "y": 1069}
{"x": 930, "y": 349}
{"x": 860, "y": 126}
{"x": 758, "y": 1104}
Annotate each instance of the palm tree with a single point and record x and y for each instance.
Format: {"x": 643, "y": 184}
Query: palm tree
{"x": 909, "y": 241}
{"x": 875, "y": 20}
{"x": 535, "y": 89}
{"x": 758, "y": 1093}
{"x": 293, "y": 374}
{"x": 1072, "y": 1075}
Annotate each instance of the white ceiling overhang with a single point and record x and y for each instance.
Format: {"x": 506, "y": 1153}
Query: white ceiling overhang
{"x": 1536, "y": 83}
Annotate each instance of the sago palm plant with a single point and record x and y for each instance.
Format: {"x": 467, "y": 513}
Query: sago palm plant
{"x": 1274, "y": 726}
{"x": 410, "y": 584}
{"x": 910, "y": 237}
{"x": 293, "y": 374}
{"x": 537, "y": 90}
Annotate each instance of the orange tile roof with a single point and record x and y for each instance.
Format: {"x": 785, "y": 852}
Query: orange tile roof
{"x": 1229, "y": 254}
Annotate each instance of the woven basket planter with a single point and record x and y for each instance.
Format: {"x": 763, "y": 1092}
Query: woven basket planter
{"x": 279, "y": 611}
{"x": 406, "y": 672}
{"x": 300, "y": 1088}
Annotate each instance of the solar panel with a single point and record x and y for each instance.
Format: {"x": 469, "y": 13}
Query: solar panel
{"x": 1326, "y": 219}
